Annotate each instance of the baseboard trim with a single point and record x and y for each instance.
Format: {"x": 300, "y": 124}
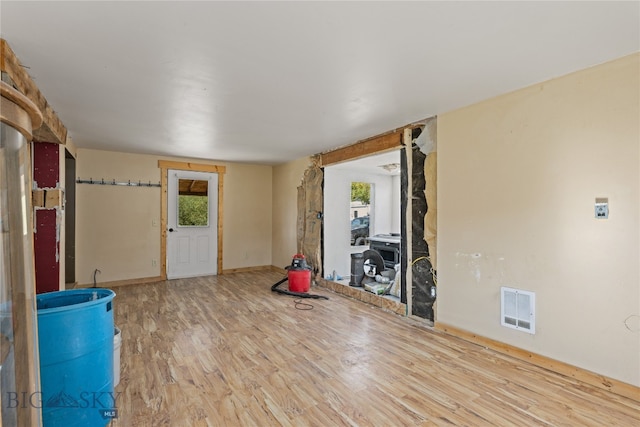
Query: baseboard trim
{"x": 116, "y": 283}
{"x": 605, "y": 383}
{"x": 246, "y": 269}
{"x": 278, "y": 269}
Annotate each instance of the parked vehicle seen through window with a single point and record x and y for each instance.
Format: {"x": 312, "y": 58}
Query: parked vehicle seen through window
{"x": 359, "y": 230}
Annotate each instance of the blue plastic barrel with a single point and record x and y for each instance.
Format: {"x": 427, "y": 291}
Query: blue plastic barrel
{"x": 75, "y": 336}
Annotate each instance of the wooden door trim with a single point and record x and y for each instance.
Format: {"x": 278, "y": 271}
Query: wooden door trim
{"x": 164, "y": 166}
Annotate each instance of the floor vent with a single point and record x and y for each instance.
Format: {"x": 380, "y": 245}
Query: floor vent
{"x": 518, "y": 309}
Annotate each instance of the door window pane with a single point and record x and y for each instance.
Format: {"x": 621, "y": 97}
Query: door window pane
{"x": 193, "y": 203}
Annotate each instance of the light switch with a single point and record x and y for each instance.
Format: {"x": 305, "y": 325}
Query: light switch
{"x": 602, "y": 208}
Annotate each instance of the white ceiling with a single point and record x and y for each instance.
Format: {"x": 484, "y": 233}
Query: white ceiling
{"x": 268, "y": 82}
{"x": 373, "y": 164}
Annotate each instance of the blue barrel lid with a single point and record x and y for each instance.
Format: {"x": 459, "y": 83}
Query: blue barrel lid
{"x": 54, "y": 302}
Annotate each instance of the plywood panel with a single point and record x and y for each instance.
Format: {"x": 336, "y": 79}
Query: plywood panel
{"x": 46, "y": 165}
{"x": 46, "y": 249}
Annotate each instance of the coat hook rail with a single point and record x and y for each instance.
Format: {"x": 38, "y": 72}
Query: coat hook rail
{"x": 128, "y": 183}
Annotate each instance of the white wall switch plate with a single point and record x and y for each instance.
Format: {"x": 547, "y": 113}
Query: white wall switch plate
{"x": 602, "y": 208}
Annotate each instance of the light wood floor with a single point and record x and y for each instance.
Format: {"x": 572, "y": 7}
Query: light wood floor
{"x": 226, "y": 351}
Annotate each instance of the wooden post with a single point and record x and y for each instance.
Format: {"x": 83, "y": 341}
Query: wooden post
{"x": 19, "y": 115}
{"x": 407, "y": 142}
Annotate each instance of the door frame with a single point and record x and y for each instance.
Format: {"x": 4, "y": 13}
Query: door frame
{"x": 164, "y": 166}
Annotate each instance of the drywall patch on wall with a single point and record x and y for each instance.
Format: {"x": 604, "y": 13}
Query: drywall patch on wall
{"x": 483, "y": 268}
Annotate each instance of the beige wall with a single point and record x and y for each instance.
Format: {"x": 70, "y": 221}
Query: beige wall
{"x": 286, "y": 179}
{"x": 517, "y": 180}
{"x": 115, "y": 231}
{"x": 247, "y": 216}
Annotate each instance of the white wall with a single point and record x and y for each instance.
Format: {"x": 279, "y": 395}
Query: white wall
{"x": 337, "y": 225}
{"x": 395, "y": 197}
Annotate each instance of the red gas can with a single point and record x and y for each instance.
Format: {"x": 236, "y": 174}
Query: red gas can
{"x": 299, "y": 274}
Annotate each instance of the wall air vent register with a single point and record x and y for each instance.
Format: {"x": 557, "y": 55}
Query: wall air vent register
{"x": 518, "y": 309}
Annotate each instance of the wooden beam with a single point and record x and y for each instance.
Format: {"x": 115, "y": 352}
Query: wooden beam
{"x": 187, "y": 166}
{"x": 52, "y": 129}
{"x": 408, "y": 277}
{"x": 364, "y": 148}
{"x": 387, "y": 141}
{"x": 47, "y": 198}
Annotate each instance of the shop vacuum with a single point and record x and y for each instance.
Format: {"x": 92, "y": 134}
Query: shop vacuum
{"x": 299, "y": 277}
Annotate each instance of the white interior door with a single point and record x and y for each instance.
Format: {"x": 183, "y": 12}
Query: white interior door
{"x": 192, "y": 224}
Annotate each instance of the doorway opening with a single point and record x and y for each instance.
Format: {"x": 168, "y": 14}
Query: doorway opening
{"x": 70, "y": 219}
{"x": 361, "y": 207}
{"x": 413, "y": 248}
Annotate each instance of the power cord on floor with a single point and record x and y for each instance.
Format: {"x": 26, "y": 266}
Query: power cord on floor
{"x": 274, "y": 288}
{"x": 299, "y": 305}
